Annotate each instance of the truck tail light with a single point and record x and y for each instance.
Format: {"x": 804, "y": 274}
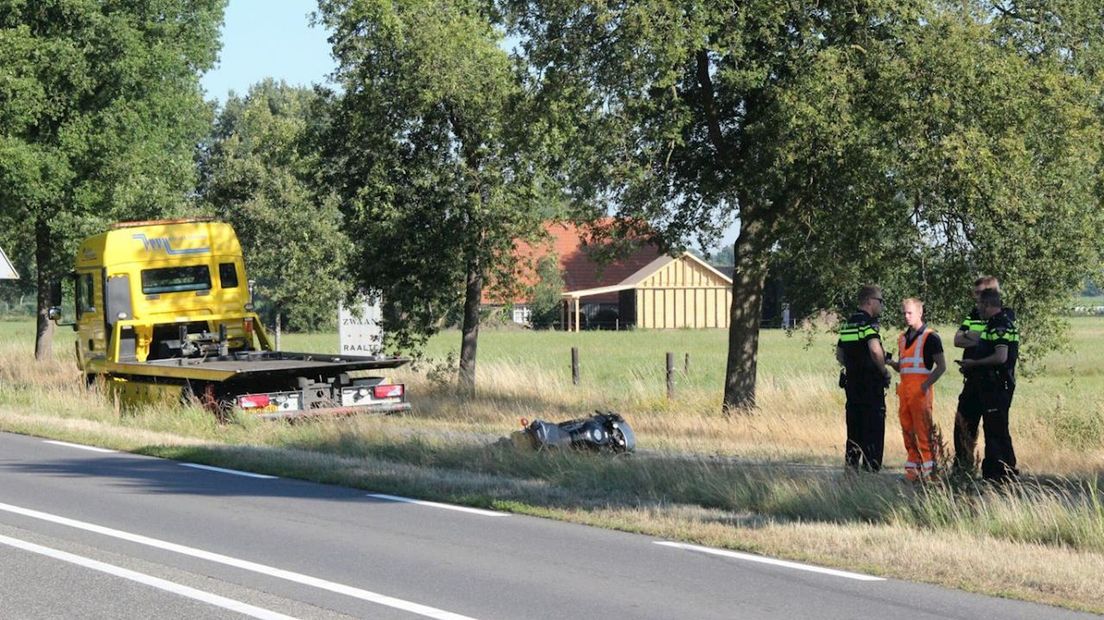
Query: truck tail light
{"x": 253, "y": 401}
{"x": 388, "y": 391}
{"x": 248, "y": 326}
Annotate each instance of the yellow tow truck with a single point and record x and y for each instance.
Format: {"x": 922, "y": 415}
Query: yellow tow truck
{"x": 163, "y": 310}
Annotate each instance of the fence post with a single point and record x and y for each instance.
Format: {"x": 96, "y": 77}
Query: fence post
{"x": 670, "y": 375}
{"x": 575, "y": 365}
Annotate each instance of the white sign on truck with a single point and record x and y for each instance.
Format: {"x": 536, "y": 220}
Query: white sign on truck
{"x": 7, "y": 270}
{"x": 358, "y": 328}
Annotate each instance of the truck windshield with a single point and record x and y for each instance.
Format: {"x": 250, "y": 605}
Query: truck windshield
{"x": 176, "y": 279}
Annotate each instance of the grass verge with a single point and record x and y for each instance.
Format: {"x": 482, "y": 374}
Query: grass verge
{"x": 767, "y": 483}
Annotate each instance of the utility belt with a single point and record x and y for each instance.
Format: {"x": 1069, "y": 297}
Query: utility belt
{"x": 989, "y": 378}
{"x": 862, "y": 378}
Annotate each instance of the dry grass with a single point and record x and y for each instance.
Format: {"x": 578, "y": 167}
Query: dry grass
{"x": 770, "y": 482}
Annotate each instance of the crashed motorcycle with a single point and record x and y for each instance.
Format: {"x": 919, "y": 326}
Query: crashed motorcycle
{"x": 605, "y": 431}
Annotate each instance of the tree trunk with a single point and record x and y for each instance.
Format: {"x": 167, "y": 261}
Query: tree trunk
{"x": 748, "y": 279}
{"x": 473, "y": 295}
{"x": 44, "y": 340}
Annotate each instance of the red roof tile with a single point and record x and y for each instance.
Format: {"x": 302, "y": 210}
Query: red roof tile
{"x": 576, "y": 248}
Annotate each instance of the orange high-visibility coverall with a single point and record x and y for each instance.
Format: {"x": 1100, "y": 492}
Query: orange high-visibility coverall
{"x": 915, "y": 409}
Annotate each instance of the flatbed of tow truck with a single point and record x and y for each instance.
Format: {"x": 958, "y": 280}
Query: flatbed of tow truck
{"x": 244, "y": 364}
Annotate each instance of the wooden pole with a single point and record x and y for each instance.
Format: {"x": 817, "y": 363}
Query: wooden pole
{"x": 670, "y": 375}
{"x": 575, "y": 365}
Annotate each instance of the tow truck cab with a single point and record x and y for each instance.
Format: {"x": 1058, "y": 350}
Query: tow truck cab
{"x": 149, "y": 290}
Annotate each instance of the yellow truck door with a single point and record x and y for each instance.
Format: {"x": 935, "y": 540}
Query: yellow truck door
{"x": 118, "y": 306}
{"x": 91, "y": 330}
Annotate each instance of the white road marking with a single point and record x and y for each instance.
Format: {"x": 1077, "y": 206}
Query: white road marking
{"x": 765, "y": 560}
{"x": 322, "y": 584}
{"x": 149, "y": 580}
{"x": 420, "y": 502}
{"x": 79, "y": 446}
{"x": 247, "y": 474}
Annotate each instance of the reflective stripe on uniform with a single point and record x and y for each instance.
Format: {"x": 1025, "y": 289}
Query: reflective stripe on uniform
{"x": 1011, "y": 335}
{"x": 973, "y": 325}
{"x": 854, "y": 333}
{"x": 913, "y": 364}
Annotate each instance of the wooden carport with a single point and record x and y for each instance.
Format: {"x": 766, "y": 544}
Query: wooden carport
{"x": 668, "y": 293}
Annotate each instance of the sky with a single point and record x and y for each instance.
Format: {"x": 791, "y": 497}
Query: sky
{"x": 268, "y": 38}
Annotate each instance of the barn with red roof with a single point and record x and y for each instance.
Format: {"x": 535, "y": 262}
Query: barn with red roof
{"x": 640, "y": 287}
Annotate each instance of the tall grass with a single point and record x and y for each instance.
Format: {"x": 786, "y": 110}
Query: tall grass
{"x": 765, "y": 482}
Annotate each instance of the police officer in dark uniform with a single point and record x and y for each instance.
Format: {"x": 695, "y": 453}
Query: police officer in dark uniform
{"x": 970, "y": 408}
{"x": 993, "y": 368}
{"x": 864, "y": 379}
{"x": 968, "y": 414}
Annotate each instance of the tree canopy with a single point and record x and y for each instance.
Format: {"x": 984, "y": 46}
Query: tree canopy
{"x": 100, "y": 111}
{"x": 426, "y": 146}
{"x": 911, "y": 143}
{"x": 256, "y": 174}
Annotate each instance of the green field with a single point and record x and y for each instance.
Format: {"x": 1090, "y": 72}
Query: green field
{"x": 771, "y": 482}
{"x": 1057, "y": 419}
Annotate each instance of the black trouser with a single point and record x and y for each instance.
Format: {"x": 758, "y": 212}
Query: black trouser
{"x": 865, "y": 432}
{"x": 985, "y": 399}
{"x": 967, "y": 419}
{"x": 1000, "y": 459}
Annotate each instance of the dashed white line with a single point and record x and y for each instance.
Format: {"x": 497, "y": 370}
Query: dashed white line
{"x": 247, "y": 474}
{"x": 421, "y": 502}
{"x": 79, "y": 446}
{"x": 149, "y": 580}
{"x": 765, "y": 560}
{"x": 278, "y": 573}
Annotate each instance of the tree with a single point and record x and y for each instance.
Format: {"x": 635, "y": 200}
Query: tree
{"x": 255, "y": 174}
{"x": 722, "y": 256}
{"x": 100, "y": 110}
{"x": 547, "y": 294}
{"x": 698, "y": 112}
{"x": 865, "y": 140}
{"x": 426, "y": 148}
{"x": 1092, "y": 289}
{"x": 993, "y": 152}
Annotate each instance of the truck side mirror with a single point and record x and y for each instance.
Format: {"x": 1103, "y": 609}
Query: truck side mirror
{"x": 54, "y": 311}
{"x": 252, "y": 285}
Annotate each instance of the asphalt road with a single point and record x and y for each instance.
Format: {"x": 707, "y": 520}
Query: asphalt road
{"x": 95, "y": 534}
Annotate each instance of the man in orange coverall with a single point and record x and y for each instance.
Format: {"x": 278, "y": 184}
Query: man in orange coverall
{"x": 920, "y": 363}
